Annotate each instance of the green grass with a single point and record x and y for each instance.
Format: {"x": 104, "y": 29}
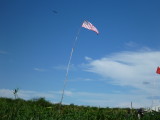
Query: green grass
{"x": 40, "y": 109}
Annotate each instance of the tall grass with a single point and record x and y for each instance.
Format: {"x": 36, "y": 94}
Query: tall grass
{"x": 40, "y": 109}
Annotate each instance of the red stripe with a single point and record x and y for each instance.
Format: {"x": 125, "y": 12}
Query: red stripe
{"x": 89, "y": 26}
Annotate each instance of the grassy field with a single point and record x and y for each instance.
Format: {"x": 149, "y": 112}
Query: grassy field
{"x": 40, "y": 109}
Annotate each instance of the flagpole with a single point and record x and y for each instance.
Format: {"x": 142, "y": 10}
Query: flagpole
{"x": 155, "y": 87}
{"x": 86, "y": 25}
{"x": 153, "y": 90}
{"x": 68, "y": 66}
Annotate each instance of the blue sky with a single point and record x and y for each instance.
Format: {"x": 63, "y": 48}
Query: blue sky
{"x": 110, "y": 69}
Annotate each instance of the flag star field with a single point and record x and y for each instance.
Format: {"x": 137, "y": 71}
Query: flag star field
{"x": 112, "y": 69}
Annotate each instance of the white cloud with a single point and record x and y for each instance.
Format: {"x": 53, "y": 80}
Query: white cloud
{"x": 135, "y": 69}
{"x": 96, "y": 103}
{"x": 68, "y": 93}
{"x": 26, "y": 94}
{"x": 88, "y": 58}
{"x": 83, "y": 80}
{"x": 6, "y": 93}
{"x": 111, "y": 100}
{"x": 34, "y": 94}
{"x": 131, "y": 44}
{"x": 84, "y": 98}
{"x": 128, "y": 69}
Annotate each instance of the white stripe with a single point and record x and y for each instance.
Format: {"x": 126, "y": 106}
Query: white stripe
{"x": 89, "y": 26}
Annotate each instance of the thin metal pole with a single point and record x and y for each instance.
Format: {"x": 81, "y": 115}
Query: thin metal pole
{"x": 68, "y": 66}
{"x": 153, "y": 94}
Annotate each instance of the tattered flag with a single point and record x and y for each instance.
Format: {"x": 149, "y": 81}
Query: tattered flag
{"x": 158, "y": 70}
{"x": 89, "y": 26}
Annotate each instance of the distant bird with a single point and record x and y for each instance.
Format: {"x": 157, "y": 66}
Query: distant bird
{"x": 54, "y": 11}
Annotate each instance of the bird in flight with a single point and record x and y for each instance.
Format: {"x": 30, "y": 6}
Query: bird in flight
{"x": 54, "y": 11}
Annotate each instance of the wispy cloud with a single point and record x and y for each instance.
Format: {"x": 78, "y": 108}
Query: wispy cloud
{"x": 6, "y": 93}
{"x": 60, "y": 67}
{"x": 154, "y": 97}
{"x": 3, "y": 52}
{"x": 83, "y": 80}
{"x": 84, "y": 98}
{"x": 88, "y": 58}
{"x": 26, "y": 94}
{"x": 136, "y": 69}
{"x": 110, "y": 100}
{"x": 131, "y": 44}
{"x": 63, "y": 67}
{"x": 66, "y": 93}
{"x": 39, "y": 69}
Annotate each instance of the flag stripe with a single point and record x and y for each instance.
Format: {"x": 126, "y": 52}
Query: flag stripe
{"x": 89, "y": 26}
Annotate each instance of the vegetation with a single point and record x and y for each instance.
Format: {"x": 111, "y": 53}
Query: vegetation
{"x": 40, "y": 109}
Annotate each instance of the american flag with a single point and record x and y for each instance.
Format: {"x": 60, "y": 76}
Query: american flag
{"x": 89, "y": 26}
